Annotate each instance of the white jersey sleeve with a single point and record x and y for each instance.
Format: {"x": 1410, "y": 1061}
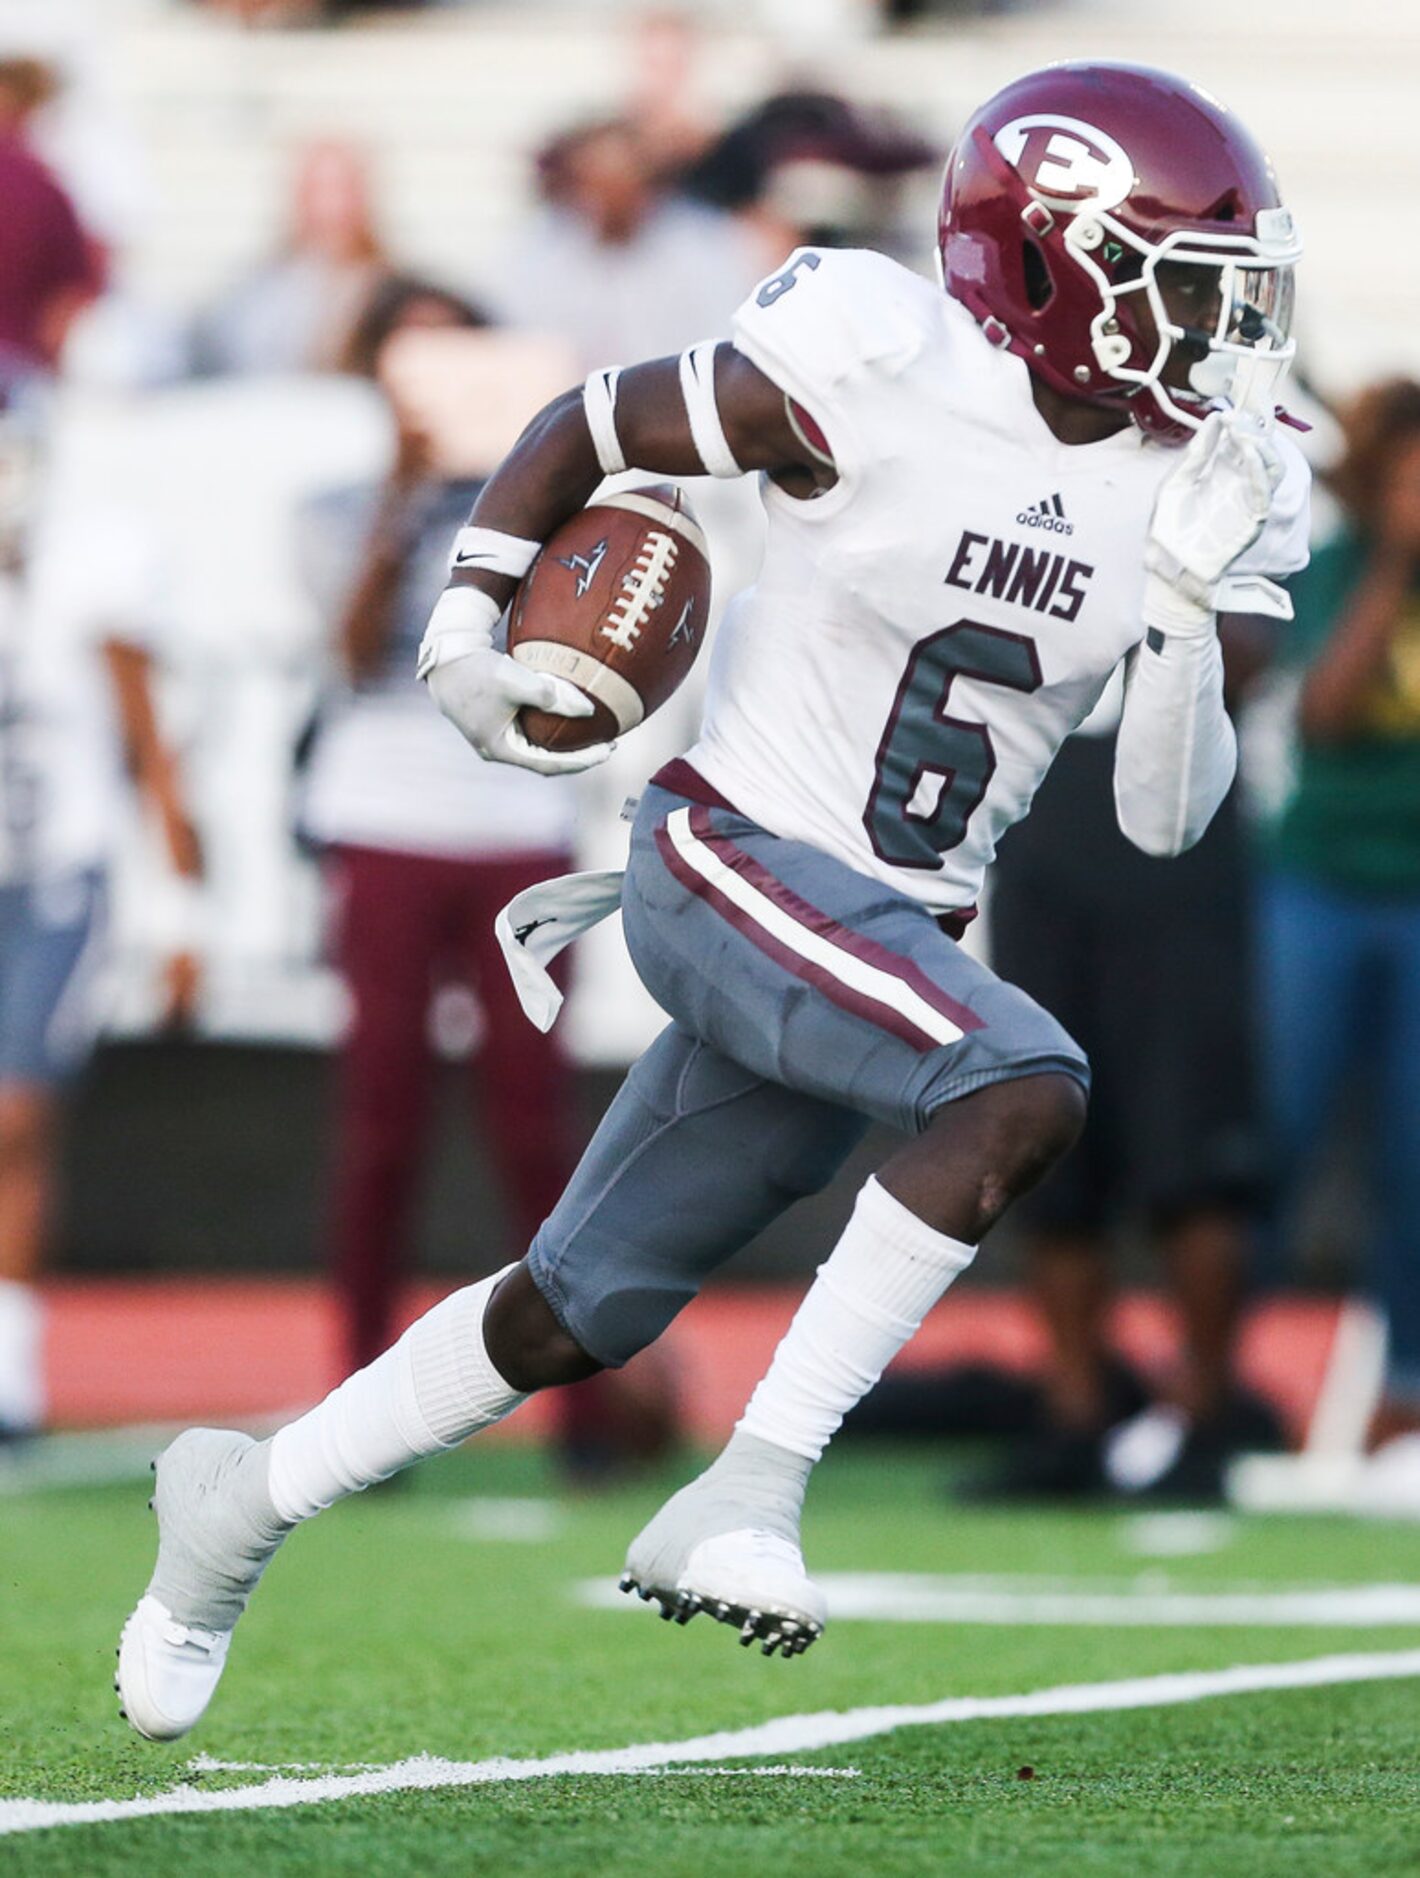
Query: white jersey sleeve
{"x": 827, "y": 322}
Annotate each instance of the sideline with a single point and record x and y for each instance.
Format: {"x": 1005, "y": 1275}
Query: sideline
{"x": 784, "y": 1736}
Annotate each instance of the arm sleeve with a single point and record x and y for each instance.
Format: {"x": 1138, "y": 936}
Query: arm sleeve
{"x": 1176, "y": 754}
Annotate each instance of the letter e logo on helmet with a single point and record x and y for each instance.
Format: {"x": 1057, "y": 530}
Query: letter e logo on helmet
{"x": 1075, "y": 165}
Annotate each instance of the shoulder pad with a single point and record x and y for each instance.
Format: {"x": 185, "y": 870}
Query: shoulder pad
{"x": 829, "y": 316}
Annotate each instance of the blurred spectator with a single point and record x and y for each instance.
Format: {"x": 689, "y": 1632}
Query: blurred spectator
{"x": 1341, "y": 906}
{"x": 47, "y": 273}
{"x": 423, "y": 846}
{"x": 296, "y": 312}
{"x": 305, "y": 12}
{"x": 26, "y": 86}
{"x": 56, "y": 99}
{"x": 1146, "y": 963}
{"x": 615, "y": 264}
{"x": 809, "y": 168}
{"x": 661, "y": 104}
{"x": 76, "y": 709}
{"x": 267, "y": 12}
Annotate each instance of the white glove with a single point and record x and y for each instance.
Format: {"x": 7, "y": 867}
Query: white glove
{"x": 1210, "y": 508}
{"x": 481, "y": 690}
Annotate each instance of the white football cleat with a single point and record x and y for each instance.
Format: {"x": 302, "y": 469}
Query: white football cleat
{"x": 217, "y": 1531}
{"x": 700, "y": 1554}
{"x": 167, "y": 1672}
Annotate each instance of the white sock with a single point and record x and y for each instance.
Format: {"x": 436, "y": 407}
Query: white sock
{"x": 22, "y": 1401}
{"x": 871, "y": 1294}
{"x": 435, "y": 1387}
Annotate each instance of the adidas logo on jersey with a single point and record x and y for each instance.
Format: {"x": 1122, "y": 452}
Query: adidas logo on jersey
{"x": 1048, "y": 514}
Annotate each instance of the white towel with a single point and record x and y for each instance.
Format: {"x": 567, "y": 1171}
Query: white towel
{"x": 538, "y": 922}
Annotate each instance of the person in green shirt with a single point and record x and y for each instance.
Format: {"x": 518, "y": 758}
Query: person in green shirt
{"x": 1340, "y": 930}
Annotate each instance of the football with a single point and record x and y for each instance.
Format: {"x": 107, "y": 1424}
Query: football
{"x": 617, "y": 602}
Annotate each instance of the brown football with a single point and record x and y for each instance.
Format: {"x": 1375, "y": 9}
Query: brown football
{"x": 617, "y": 602}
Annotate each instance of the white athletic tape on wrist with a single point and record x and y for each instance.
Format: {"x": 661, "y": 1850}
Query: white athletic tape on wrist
{"x": 599, "y": 403}
{"x": 462, "y": 621}
{"x": 697, "y": 387}
{"x": 1169, "y": 608}
{"x": 491, "y": 552}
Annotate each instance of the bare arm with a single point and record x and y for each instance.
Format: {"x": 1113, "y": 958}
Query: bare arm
{"x": 366, "y": 618}
{"x": 151, "y": 763}
{"x": 155, "y": 771}
{"x": 549, "y": 475}
{"x": 552, "y": 470}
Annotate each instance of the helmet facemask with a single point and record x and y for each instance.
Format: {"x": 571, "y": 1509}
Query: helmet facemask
{"x": 1221, "y": 302}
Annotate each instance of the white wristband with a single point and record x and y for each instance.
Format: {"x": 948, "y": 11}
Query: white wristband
{"x": 463, "y": 621}
{"x": 697, "y": 387}
{"x": 1173, "y": 611}
{"x": 492, "y": 552}
{"x": 599, "y": 403}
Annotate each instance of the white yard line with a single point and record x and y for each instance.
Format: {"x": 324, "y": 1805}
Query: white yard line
{"x": 786, "y": 1735}
{"x": 1111, "y": 1604}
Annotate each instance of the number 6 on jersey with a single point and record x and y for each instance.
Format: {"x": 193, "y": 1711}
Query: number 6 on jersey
{"x": 908, "y": 823}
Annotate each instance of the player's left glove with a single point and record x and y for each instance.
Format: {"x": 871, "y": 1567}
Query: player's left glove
{"x": 1210, "y": 508}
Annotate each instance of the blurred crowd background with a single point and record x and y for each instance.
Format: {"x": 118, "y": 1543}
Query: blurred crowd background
{"x": 279, "y": 282}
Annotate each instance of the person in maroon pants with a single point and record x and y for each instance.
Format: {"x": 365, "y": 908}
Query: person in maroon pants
{"x": 423, "y": 844}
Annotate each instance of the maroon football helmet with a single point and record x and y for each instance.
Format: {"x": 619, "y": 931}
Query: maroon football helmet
{"x": 1096, "y": 217}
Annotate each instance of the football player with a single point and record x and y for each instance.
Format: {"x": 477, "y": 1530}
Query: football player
{"x": 981, "y": 502}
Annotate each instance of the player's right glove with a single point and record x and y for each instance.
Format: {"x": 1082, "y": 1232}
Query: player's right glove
{"x": 481, "y": 690}
{"x": 1210, "y": 508}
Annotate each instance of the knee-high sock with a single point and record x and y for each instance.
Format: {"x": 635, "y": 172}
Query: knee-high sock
{"x": 431, "y": 1390}
{"x": 870, "y": 1295}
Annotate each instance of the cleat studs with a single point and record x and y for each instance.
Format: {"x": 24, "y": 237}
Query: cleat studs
{"x": 123, "y": 1714}
{"x": 643, "y": 1594}
{"x": 667, "y": 1612}
{"x": 722, "y": 1612}
{"x": 626, "y": 1582}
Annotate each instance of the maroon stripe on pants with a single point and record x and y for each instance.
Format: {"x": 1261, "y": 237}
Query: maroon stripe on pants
{"x": 683, "y": 779}
{"x": 844, "y": 937}
{"x": 845, "y": 996}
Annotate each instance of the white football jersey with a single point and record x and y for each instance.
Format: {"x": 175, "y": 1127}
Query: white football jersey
{"x": 924, "y": 636}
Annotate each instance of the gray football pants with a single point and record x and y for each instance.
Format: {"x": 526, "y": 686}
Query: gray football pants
{"x": 805, "y": 999}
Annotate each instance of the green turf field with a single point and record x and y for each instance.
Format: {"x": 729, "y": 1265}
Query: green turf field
{"x": 397, "y": 1627}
